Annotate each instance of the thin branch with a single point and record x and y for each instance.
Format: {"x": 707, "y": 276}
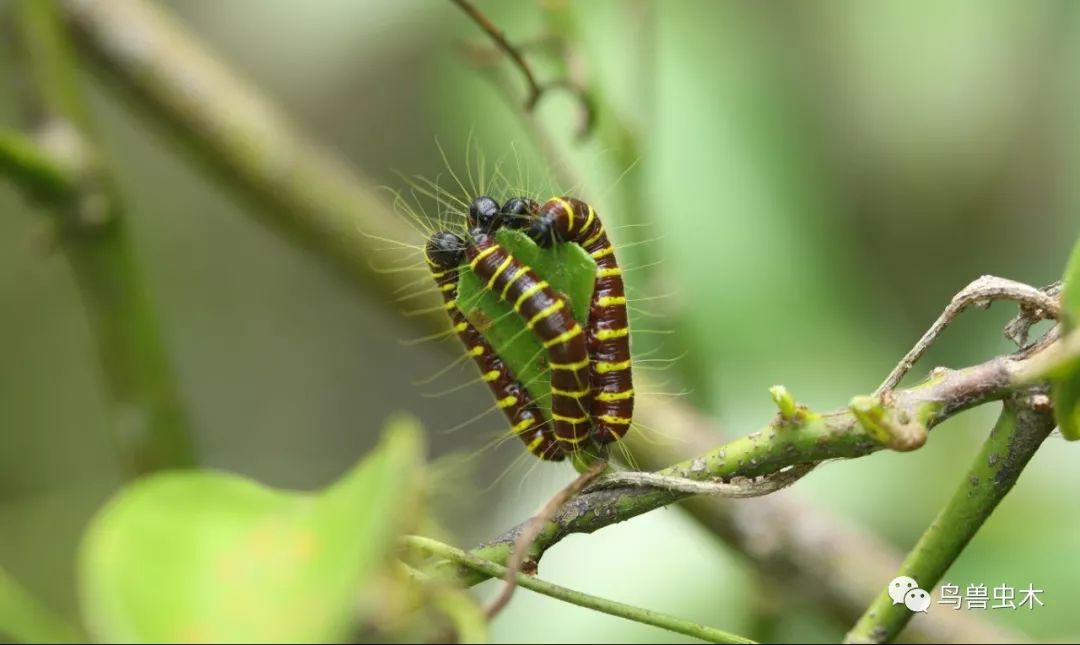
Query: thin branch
{"x": 496, "y": 35}
{"x": 532, "y": 529}
{"x": 490, "y": 569}
{"x": 980, "y": 292}
{"x": 738, "y": 488}
{"x": 1026, "y": 420}
{"x": 535, "y": 89}
{"x": 149, "y": 424}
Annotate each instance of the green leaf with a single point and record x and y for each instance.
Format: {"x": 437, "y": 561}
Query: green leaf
{"x": 205, "y": 556}
{"x": 567, "y": 268}
{"x": 23, "y": 618}
{"x": 1067, "y": 387}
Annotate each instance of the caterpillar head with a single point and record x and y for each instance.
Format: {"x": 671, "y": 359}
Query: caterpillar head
{"x": 485, "y": 216}
{"x": 445, "y": 250}
{"x": 518, "y": 212}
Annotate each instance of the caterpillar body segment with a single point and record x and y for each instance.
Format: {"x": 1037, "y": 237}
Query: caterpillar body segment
{"x": 545, "y": 314}
{"x": 445, "y": 252}
{"x": 565, "y": 219}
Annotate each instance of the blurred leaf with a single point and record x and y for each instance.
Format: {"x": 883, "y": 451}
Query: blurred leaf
{"x": 466, "y": 614}
{"x": 570, "y": 272}
{"x": 1067, "y": 388}
{"x": 203, "y": 556}
{"x": 23, "y": 618}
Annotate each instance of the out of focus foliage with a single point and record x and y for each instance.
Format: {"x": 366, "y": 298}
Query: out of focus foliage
{"x": 810, "y": 185}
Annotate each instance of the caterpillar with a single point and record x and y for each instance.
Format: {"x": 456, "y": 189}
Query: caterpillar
{"x": 445, "y": 253}
{"x": 565, "y": 219}
{"x": 544, "y": 312}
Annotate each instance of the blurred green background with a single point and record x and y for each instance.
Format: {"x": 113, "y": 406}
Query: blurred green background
{"x": 817, "y": 181}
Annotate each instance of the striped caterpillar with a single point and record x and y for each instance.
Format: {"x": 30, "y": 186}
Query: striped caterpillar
{"x": 445, "y": 252}
{"x": 565, "y": 219}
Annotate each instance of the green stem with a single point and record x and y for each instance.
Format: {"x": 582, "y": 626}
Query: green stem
{"x": 148, "y": 422}
{"x": 1018, "y": 433}
{"x": 622, "y": 610}
{"x": 22, "y": 159}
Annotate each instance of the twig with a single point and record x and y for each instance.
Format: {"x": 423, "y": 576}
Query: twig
{"x": 149, "y": 425}
{"x": 490, "y": 569}
{"x": 737, "y": 488}
{"x": 532, "y": 528}
{"x": 1025, "y": 421}
{"x": 1018, "y": 328}
{"x": 497, "y": 36}
{"x": 983, "y": 290}
{"x": 535, "y": 89}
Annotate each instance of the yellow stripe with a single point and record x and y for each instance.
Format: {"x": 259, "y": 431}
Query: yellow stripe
{"x": 574, "y": 394}
{"x": 573, "y": 332}
{"x": 529, "y": 292}
{"x": 572, "y": 439}
{"x": 607, "y": 273}
{"x": 450, "y": 304}
{"x": 607, "y": 397}
{"x": 521, "y": 426}
{"x": 488, "y": 377}
{"x": 481, "y": 255}
{"x": 610, "y": 301}
{"x": 618, "y": 421}
{"x": 569, "y": 366}
{"x": 545, "y": 313}
{"x": 589, "y": 219}
{"x": 535, "y": 443}
{"x": 450, "y": 286}
{"x": 477, "y": 350}
{"x": 603, "y": 367}
{"x": 559, "y": 417}
{"x": 608, "y": 334}
{"x": 439, "y": 274}
{"x": 595, "y": 236}
{"x": 603, "y": 253}
{"x": 498, "y": 272}
{"x": 461, "y": 326}
{"x": 512, "y": 280}
{"x": 506, "y": 402}
{"x": 569, "y": 214}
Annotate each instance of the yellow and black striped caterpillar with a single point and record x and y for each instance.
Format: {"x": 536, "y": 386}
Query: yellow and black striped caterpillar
{"x": 445, "y": 252}
{"x": 565, "y": 219}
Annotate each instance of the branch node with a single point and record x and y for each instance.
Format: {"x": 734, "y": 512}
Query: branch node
{"x": 791, "y": 413}
{"x": 897, "y": 431}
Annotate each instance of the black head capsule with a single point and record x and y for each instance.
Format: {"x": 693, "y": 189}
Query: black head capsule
{"x": 542, "y": 230}
{"x": 484, "y": 215}
{"x": 519, "y": 211}
{"x": 445, "y": 250}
